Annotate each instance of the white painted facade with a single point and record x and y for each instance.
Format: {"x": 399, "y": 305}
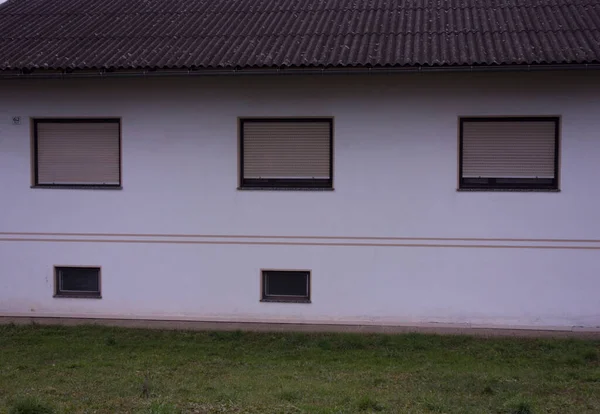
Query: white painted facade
{"x": 392, "y": 244}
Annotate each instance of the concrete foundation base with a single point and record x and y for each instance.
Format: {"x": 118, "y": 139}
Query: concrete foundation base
{"x": 442, "y": 329}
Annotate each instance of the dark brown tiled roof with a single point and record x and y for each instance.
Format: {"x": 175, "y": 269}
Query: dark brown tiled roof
{"x": 170, "y": 34}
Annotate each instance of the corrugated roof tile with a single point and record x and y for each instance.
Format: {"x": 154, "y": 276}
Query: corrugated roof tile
{"x": 129, "y": 34}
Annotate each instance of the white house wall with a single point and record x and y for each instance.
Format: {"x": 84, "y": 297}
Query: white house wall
{"x": 394, "y": 243}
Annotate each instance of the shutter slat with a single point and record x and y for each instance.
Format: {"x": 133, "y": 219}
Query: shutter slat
{"x": 507, "y": 149}
{"x": 287, "y": 149}
{"x": 78, "y": 153}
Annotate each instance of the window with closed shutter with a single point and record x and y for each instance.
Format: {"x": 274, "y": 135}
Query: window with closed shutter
{"x": 77, "y": 152}
{"x": 509, "y": 153}
{"x": 286, "y": 153}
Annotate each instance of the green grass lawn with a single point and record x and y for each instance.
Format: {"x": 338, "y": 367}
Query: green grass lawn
{"x": 108, "y": 370}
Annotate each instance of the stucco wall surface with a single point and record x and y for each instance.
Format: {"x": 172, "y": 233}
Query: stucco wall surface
{"x": 394, "y": 243}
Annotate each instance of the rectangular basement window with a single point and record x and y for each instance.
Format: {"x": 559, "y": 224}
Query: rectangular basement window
{"x": 77, "y": 282}
{"x": 286, "y": 153}
{"x": 77, "y": 153}
{"x": 286, "y": 286}
{"x": 516, "y": 153}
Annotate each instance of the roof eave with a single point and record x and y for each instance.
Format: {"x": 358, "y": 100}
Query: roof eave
{"x": 110, "y": 73}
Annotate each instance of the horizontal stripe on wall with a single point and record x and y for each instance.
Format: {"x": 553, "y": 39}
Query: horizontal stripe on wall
{"x": 241, "y": 236}
{"x": 303, "y": 241}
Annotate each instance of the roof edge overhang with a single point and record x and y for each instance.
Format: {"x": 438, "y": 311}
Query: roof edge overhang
{"x": 159, "y": 72}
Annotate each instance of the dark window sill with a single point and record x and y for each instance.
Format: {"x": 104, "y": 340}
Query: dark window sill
{"x": 284, "y": 189}
{"x": 79, "y": 187}
{"x": 281, "y": 300}
{"x": 308, "y": 184}
{"x": 510, "y": 190}
{"x": 80, "y": 296}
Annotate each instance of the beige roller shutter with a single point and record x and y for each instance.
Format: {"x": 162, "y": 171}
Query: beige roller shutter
{"x": 507, "y": 149}
{"x": 287, "y": 149}
{"x": 84, "y": 153}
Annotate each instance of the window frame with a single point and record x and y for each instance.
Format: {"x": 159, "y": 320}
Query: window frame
{"x": 60, "y": 293}
{"x": 264, "y": 297}
{"x": 284, "y": 183}
{"x": 525, "y": 184}
{"x": 37, "y": 120}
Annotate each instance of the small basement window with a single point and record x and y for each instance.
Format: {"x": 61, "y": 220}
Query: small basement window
{"x": 286, "y": 153}
{"x": 509, "y": 153}
{"x": 77, "y": 152}
{"x": 286, "y": 286}
{"x": 79, "y": 282}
